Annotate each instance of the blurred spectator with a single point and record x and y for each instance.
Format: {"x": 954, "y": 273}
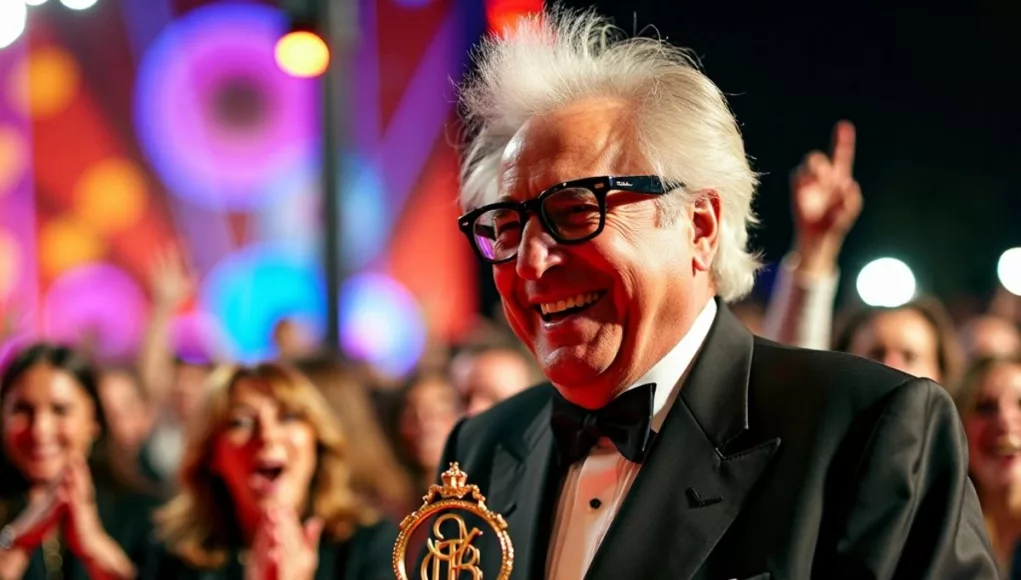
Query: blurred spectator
{"x": 917, "y": 338}
{"x": 486, "y": 375}
{"x": 64, "y": 510}
{"x": 375, "y": 471}
{"x": 266, "y": 489}
{"x": 989, "y": 402}
{"x": 292, "y": 339}
{"x": 429, "y": 412}
{"x": 129, "y": 415}
{"x": 990, "y": 336}
{"x": 751, "y": 312}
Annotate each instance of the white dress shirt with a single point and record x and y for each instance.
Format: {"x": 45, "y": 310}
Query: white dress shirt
{"x": 595, "y": 487}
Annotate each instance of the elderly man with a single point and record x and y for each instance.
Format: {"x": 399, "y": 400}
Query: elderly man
{"x": 607, "y": 184}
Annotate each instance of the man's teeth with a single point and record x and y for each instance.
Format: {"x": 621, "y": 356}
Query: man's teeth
{"x": 578, "y": 301}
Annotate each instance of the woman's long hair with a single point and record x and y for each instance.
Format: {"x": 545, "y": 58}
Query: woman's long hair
{"x": 375, "y": 470}
{"x": 199, "y": 524}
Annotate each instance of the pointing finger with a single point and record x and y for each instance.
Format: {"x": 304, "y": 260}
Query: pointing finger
{"x": 843, "y": 147}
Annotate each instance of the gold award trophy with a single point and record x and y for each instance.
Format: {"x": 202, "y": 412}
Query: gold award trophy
{"x": 456, "y": 555}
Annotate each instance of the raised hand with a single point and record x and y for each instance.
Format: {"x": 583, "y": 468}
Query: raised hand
{"x": 826, "y": 198}
{"x": 284, "y": 548}
{"x": 169, "y": 279}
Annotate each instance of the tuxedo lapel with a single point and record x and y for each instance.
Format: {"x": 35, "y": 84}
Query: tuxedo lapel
{"x": 698, "y": 472}
{"x": 523, "y": 490}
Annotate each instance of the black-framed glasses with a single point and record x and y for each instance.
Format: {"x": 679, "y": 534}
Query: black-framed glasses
{"x": 572, "y": 212}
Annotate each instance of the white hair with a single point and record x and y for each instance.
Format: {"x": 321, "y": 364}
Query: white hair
{"x": 684, "y": 126}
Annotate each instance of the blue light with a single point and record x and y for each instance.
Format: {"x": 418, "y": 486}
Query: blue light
{"x": 381, "y": 323}
{"x": 250, "y": 291}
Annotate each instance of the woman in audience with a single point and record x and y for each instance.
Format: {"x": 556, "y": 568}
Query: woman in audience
{"x": 265, "y": 489}
{"x": 431, "y": 409}
{"x": 917, "y": 338}
{"x": 63, "y": 514}
{"x": 375, "y": 471}
{"x": 989, "y": 402}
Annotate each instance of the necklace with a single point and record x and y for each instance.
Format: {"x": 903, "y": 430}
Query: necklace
{"x": 53, "y": 558}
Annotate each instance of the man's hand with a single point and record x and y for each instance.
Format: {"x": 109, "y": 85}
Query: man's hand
{"x": 826, "y": 202}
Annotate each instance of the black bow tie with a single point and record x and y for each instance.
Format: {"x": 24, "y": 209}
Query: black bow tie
{"x": 627, "y": 421}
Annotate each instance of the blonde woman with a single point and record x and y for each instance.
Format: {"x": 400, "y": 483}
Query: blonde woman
{"x": 989, "y": 402}
{"x": 265, "y": 490}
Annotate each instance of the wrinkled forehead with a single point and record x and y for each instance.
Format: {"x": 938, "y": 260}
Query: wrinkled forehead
{"x": 587, "y": 139}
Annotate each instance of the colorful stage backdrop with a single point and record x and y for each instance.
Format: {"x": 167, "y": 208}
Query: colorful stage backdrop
{"x": 142, "y": 123}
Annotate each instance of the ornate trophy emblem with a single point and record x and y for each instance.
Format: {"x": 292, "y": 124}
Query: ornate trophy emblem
{"x": 453, "y": 556}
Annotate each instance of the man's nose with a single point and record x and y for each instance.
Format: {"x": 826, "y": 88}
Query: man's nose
{"x": 536, "y": 251}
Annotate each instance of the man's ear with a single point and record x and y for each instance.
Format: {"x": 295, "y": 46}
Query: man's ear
{"x": 705, "y": 229}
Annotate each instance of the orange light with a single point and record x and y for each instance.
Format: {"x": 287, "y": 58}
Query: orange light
{"x": 302, "y": 54}
{"x": 504, "y": 16}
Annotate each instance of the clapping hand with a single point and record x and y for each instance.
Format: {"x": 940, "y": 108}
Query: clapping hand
{"x": 40, "y": 517}
{"x": 283, "y": 548}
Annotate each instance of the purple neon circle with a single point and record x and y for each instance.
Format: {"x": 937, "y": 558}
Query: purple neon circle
{"x": 195, "y": 61}
{"x": 98, "y": 301}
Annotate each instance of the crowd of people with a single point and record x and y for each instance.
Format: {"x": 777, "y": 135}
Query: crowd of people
{"x": 177, "y": 467}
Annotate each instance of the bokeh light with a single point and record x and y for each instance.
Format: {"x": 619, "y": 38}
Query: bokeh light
{"x": 53, "y": 81}
{"x": 196, "y": 336}
{"x": 66, "y": 242}
{"x": 100, "y": 304}
{"x": 111, "y": 195}
{"x": 886, "y": 282}
{"x": 35, "y": 2}
{"x": 251, "y": 290}
{"x": 79, "y": 4}
{"x": 15, "y": 156}
{"x": 381, "y": 323}
{"x": 302, "y": 54}
{"x": 13, "y": 17}
{"x": 10, "y": 264}
{"x": 220, "y": 123}
{"x": 1008, "y": 269}
{"x": 505, "y": 15}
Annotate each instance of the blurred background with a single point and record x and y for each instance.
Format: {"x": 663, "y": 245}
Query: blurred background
{"x": 128, "y": 127}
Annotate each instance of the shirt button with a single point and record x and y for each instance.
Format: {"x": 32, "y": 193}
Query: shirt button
{"x": 595, "y": 503}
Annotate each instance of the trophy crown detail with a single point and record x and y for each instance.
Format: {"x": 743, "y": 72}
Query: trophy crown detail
{"x": 455, "y": 482}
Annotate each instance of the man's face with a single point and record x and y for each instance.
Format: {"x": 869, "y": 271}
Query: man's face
{"x": 649, "y": 276}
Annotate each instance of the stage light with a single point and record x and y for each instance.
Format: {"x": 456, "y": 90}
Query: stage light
{"x": 97, "y": 302}
{"x": 1009, "y": 270}
{"x": 381, "y": 323}
{"x": 249, "y": 291}
{"x": 78, "y": 4}
{"x": 35, "y": 2}
{"x": 13, "y": 17}
{"x": 886, "y": 282}
{"x": 302, "y": 54}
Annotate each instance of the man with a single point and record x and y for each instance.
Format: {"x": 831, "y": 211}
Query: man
{"x": 487, "y": 374}
{"x": 606, "y": 182}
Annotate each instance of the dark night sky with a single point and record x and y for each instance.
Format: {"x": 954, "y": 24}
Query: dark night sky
{"x": 933, "y": 91}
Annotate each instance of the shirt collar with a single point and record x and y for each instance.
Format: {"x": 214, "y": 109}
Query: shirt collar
{"x": 668, "y": 372}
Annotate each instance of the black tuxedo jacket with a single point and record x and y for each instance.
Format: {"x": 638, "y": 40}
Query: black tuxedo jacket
{"x": 773, "y": 462}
